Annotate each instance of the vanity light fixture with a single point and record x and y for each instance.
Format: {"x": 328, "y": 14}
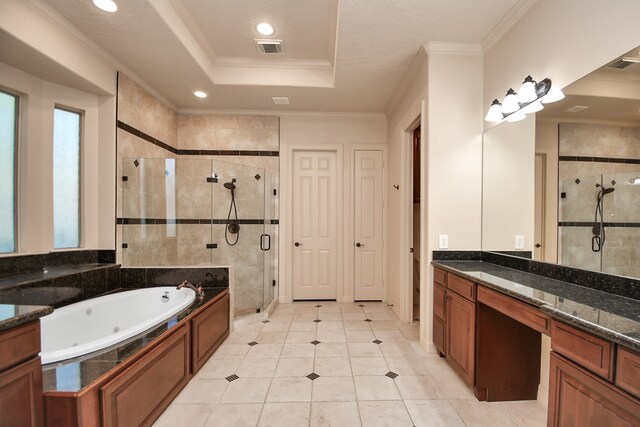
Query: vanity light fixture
{"x": 106, "y": 5}
{"x": 200, "y": 94}
{"x": 265, "y": 29}
{"x": 515, "y": 106}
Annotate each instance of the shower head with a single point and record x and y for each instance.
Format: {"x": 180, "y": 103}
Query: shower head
{"x": 230, "y": 185}
{"x": 607, "y": 190}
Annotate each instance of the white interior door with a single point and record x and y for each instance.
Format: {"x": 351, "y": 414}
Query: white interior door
{"x": 314, "y": 225}
{"x": 368, "y": 226}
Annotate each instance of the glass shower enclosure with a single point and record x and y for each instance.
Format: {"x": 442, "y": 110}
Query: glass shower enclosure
{"x": 599, "y": 223}
{"x": 204, "y": 212}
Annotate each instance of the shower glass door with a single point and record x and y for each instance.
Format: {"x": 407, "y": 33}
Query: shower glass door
{"x": 203, "y": 212}
{"x": 599, "y": 223}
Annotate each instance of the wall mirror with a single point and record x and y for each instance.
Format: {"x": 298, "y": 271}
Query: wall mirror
{"x": 568, "y": 179}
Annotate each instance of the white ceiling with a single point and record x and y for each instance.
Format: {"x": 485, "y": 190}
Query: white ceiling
{"x": 341, "y": 55}
{"x": 610, "y": 95}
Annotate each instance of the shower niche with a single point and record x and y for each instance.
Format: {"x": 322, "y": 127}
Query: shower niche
{"x": 189, "y": 212}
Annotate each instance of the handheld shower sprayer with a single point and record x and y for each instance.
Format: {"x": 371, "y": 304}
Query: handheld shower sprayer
{"x": 233, "y": 226}
{"x": 599, "y": 235}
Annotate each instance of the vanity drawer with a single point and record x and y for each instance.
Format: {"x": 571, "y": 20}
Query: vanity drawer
{"x": 19, "y": 344}
{"x": 628, "y": 371}
{"x": 440, "y": 276}
{"x": 585, "y": 349}
{"x": 515, "y": 309}
{"x": 463, "y": 287}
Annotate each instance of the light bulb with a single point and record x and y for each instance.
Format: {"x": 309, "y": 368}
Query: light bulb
{"x": 534, "y": 107}
{"x": 495, "y": 112}
{"x": 265, "y": 29}
{"x": 106, "y": 5}
{"x": 516, "y": 117}
{"x": 554, "y": 94}
{"x": 510, "y": 102}
{"x": 527, "y": 92}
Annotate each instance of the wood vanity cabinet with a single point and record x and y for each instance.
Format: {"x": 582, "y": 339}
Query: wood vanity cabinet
{"x": 21, "y": 377}
{"x": 579, "y": 398}
{"x": 454, "y": 322}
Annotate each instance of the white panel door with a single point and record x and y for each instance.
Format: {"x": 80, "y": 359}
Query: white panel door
{"x": 314, "y": 225}
{"x": 368, "y": 226}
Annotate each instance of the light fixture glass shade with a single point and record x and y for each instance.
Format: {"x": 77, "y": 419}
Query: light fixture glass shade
{"x": 495, "y": 112}
{"x": 106, "y": 5}
{"x": 534, "y": 107}
{"x": 527, "y": 92}
{"x": 554, "y": 94}
{"x": 200, "y": 94}
{"x": 516, "y": 117}
{"x": 635, "y": 181}
{"x": 510, "y": 102}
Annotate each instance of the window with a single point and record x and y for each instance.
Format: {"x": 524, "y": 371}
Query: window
{"x": 67, "y": 128}
{"x": 8, "y": 144}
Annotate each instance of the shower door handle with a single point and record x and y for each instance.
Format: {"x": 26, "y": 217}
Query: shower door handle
{"x": 262, "y": 247}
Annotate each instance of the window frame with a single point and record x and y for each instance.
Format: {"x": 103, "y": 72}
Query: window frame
{"x": 16, "y": 147}
{"x": 81, "y": 113}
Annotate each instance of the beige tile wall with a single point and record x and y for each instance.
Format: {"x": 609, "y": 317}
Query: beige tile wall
{"x": 144, "y": 195}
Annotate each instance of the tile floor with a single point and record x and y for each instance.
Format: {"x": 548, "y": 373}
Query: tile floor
{"x": 330, "y": 364}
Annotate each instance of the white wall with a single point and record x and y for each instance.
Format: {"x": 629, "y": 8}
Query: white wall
{"x": 35, "y": 161}
{"x": 562, "y": 40}
{"x": 346, "y": 133}
{"x": 508, "y": 179}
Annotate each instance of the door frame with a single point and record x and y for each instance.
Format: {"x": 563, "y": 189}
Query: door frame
{"x": 349, "y": 294}
{"x": 405, "y": 312}
{"x": 286, "y": 291}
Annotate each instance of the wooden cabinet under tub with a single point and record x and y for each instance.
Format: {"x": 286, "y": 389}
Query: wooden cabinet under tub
{"x": 138, "y": 390}
{"x": 21, "y": 377}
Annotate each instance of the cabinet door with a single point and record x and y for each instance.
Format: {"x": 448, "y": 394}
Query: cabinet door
{"x": 209, "y": 329}
{"x": 21, "y": 395}
{"x": 460, "y": 325}
{"x": 138, "y": 395}
{"x": 578, "y": 398}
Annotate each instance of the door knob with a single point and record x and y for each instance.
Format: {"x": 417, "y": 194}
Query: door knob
{"x": 538, "y": 245}
{"x": 359, "y": 244}
{"x": 296, "y": 244}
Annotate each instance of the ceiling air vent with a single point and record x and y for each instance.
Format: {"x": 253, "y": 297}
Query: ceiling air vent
{"x": 624, "y": 62}
{"x": 270, "y": 46}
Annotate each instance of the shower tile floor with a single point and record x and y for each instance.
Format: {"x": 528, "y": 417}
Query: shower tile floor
{"x": 330, "y": 364}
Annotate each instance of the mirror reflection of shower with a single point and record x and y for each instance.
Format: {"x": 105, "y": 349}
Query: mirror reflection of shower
{"x": 598, "y": 231}
{"x": 233, "y": 226}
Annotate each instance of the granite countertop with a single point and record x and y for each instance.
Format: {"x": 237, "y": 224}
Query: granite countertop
{"x": 613, "y": 317}
{"x": 9, "y": 281}
{"x": 73, "y": 375}
{"x": 12, "y": 315}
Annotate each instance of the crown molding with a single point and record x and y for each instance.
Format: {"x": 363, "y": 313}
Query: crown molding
{"x": 577, "y": 120}
{"x": 506, "y": 23}
{"x": 419, "y": 60}
{"x": 277, "y": 113}
{"x": 245, "y": 62}
{"x": 452, "y": 48}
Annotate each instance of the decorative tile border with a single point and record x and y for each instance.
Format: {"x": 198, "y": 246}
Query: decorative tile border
{"x": 598, "y": 159}
{"x": 606, "y": 224}
{"x": 196, "y": 221}
{"x": 133, "y": 131}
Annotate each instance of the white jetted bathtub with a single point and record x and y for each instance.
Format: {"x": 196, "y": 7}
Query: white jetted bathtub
{"x": 94, "y": 324}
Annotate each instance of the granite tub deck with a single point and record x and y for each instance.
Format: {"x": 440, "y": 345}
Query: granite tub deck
{"x": 14, "y": 315}
{"x": 73, "y": 375}
{"x": 607, "y": 315}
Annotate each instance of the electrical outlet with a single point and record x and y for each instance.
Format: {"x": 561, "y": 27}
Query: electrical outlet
{"x": 519, "y": 241}
{"x": 443, "y": 241}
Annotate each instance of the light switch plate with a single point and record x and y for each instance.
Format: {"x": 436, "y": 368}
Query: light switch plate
{"x": 519, "y": 241}
{"x": 443, "y": 241}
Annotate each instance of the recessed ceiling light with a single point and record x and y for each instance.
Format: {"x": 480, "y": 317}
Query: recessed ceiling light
{"x": 106, "y": 5}
{"x": 200, "y": 94}
{"x": 280, "y": 100}
{"x": 265, "y": 29}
